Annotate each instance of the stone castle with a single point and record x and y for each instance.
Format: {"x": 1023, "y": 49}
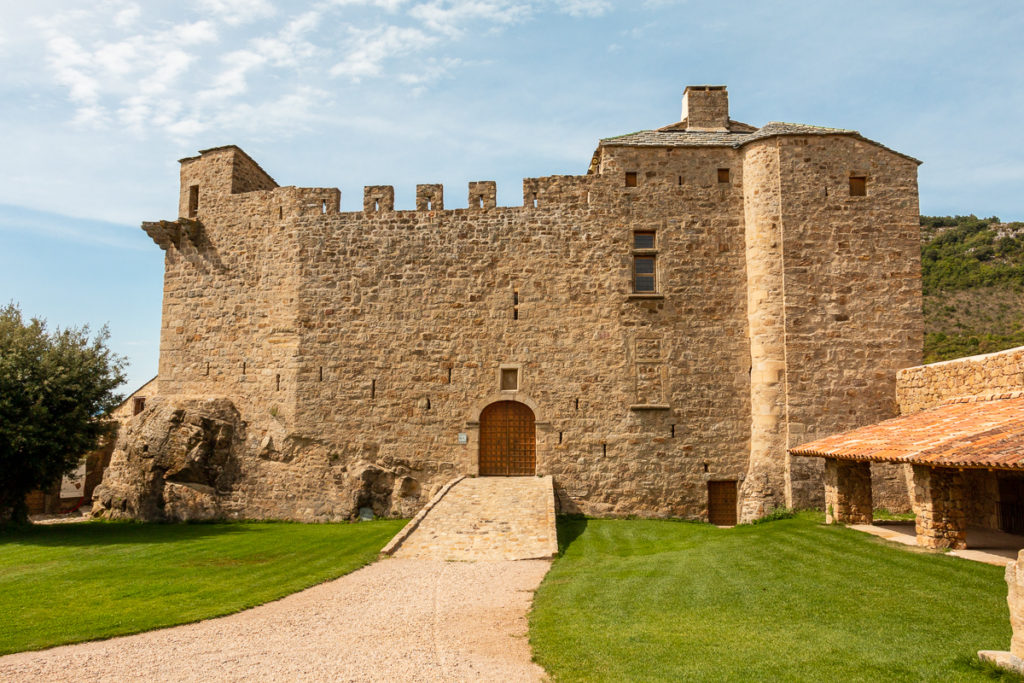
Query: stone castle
{"x": 654, "y": 334}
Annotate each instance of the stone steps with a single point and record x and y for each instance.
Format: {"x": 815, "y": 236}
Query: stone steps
{"x": 484, "y": 518}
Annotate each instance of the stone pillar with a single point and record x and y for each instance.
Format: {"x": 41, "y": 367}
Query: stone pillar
{"x": 847, "y": 492}
{"x": 764, "y": 487}
{"x": 940, "y": 506}
{"x": 1014, "y": 659}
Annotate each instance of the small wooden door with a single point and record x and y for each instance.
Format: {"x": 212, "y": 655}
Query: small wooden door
{"x": 722, "y": 503}
{"x": 508, "y": 440}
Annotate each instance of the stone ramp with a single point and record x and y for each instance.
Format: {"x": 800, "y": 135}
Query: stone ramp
{"x": 484, "y": 518}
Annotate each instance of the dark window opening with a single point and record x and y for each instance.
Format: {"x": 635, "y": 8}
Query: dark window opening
{"x": 280, "y": 212}
{"x": 509, "y": 379}
{"x": 449, "y": 375}
{"x": 138, "y": 405}
{"x": 515, "y": 304}
{"x": 559, "y": 437}
{"x": 193, "y": 201}
{"x": 604, "y": 449}
{"x": 723, "y": 175}
{"x": 673, "y": 431}
{"x": 631, "y": 178}
{"x": 643, "y": 239}
{"x": 577, "y": 404}
{"x": 705, "y": 467}
{"x": 643, "y": 274}
{"x": 373, "y": 388}
{"x": 680, "y": 180}
{"x": 858, "y": 186}
{"x": 207, "y": 369}
{"x": 277, "y": 380}
{"x": 321, "y": 373}
{"x": 428, "y": 404}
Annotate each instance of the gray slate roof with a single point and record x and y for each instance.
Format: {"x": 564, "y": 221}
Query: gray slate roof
{"x": 668, "y": 137}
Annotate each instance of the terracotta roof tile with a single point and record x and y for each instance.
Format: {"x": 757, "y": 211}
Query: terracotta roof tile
{"x": 960, "y": 433}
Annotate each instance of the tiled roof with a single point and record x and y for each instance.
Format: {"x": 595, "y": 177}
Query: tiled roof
{"x": 672, "y": 136}
{"x": 961, "y": 433}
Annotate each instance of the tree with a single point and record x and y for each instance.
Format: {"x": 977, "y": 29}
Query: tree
{"x": 55, "y": 387}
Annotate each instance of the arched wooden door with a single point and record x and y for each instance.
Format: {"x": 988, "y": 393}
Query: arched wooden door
{"x": 508, "y": 440}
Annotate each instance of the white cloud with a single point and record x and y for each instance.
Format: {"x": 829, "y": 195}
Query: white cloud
{"x": 127, "y": 17}
{"x": 391, "y": 6}
{"x": 373, "y": 46}
{"x": 430, "y": 71}
{"x": 449, "y": 17}
{"x": 584, "y": 8}
{"x": 235, "y": 12}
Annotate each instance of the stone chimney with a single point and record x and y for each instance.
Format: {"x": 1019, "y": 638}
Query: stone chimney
{"x": 706, "y": 107}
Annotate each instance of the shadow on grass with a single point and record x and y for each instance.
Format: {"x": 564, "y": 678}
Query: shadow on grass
{"x": 112, "y": 533}
{"x": 570, "y": 527}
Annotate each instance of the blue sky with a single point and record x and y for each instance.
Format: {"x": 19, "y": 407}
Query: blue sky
{"x": 98, "y": 100}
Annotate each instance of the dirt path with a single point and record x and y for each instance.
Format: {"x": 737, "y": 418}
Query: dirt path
{"x": 398, "y": 619}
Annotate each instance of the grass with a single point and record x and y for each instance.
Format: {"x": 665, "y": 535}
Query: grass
{"x": 789, "y": 600}
{"x": 68, "y": 583}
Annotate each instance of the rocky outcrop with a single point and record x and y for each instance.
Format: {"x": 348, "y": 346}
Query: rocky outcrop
{"x": 173, "y": 462}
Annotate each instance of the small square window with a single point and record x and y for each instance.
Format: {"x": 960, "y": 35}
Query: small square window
{"x": 858, "y": 186}
{"x": 630, "y": 178}
{"x": 723, "y": 175}
{"x": 643, "y": 240}
{"x": 510, "y": 379}
{"x": 643, "y": 274}
{"x": 138, "y": 405}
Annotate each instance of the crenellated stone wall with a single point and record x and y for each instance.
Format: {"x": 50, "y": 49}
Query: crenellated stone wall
{"x": 359, "y": 348}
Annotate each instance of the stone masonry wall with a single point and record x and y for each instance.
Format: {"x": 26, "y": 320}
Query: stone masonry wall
{"x": 359, "y": 349}
{"x": 852, "y": 296}
{"x": 848, "y": 492}
{"x": 991, "y": 374}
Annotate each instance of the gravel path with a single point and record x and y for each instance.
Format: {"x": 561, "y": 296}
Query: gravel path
{"x": 398, "y": 620}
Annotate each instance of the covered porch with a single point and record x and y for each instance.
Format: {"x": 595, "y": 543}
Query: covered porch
{"x": 965, "y": 463}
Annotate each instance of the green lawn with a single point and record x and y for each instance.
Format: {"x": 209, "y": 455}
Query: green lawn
{"x": 782, "y": 601}
{"x": 68, "y": 583}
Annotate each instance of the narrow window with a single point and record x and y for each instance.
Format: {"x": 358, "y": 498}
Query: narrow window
{"x": 643, "y": 239}
{"x": 630, "y": 178}
{"x": 858, "y": 186}
{"x": 323, "y": 206}
{"x": 723, "y": 175}
{"x": 428, "y": 404}
{"x": 644, "y": 261}
{"x": 138, "y": 405}
{"x": 280, "y": 212}
{"x": 509, "y": 379}
{"x": 673, "y": 431}
{"x": 515, "y": 304}
{"x": 535, "y": 200}
{"x": 449, "y": 375}
{"x": 430, "y": 205}
{"x": 321, "y": 373}
{"x": 480, "y": 202}
{"x": 643, "y": 274}
{"x": 243, "y": 367}
{"x": 278, "y": 383}
{"x": 680, "y": 180}
{"x": 559, "y": 437}
{"x": 376, "y": 205}
{"x": 193, "y": 201}
{"x": 373, "y": 388}
{"x": 207, "y": 369}
{"x": 604, "y": 449}
{"x": 577, "y": 404}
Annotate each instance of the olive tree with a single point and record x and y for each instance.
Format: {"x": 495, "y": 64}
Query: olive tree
{"x": 54, "y": 389}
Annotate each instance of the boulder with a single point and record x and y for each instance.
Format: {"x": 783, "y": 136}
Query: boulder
{"x": 173, "y": 462}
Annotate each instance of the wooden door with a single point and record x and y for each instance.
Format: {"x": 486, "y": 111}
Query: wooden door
{"x": 508, "y": 440}
{"x": 722, "y": 503}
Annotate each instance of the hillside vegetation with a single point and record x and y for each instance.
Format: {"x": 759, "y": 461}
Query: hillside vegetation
{"x": 972, "y": 273}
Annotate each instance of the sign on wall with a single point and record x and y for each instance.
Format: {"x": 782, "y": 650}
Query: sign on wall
{"x": 73, "y": 485}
